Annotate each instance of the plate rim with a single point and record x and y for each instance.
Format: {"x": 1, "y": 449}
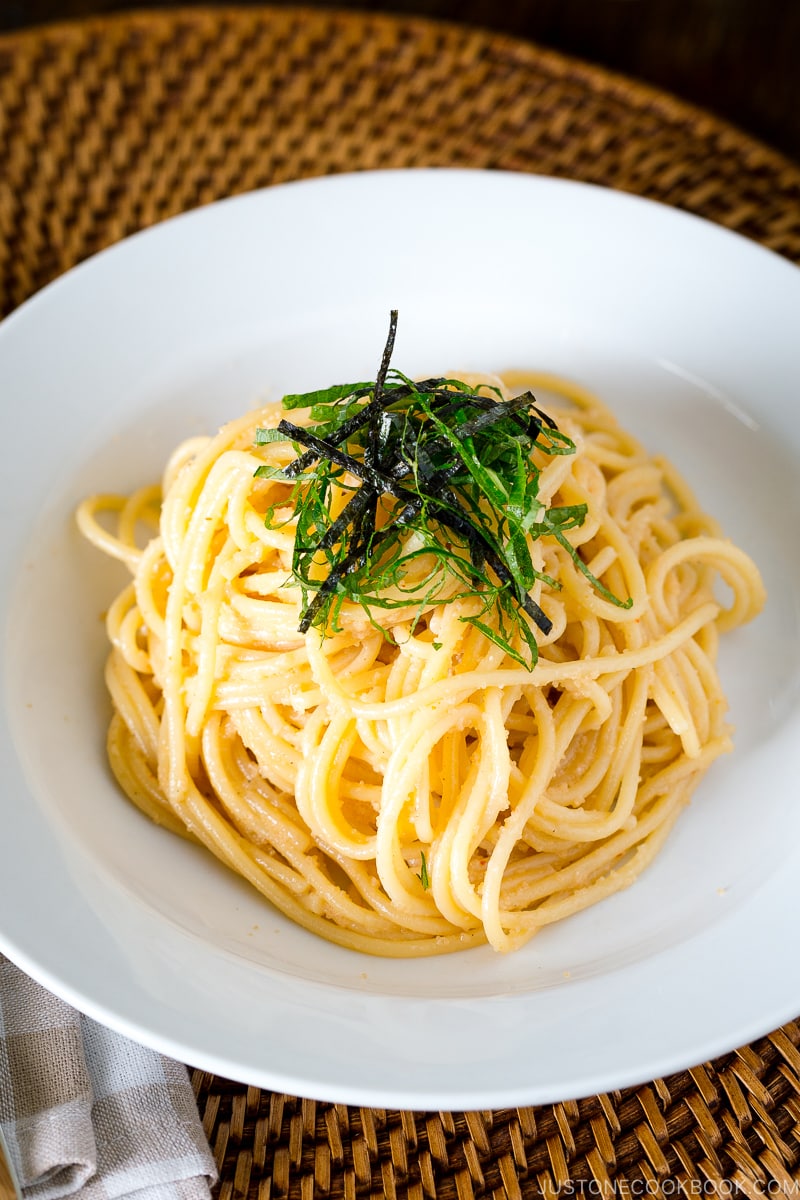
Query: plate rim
{"x": 364, "y": 1094}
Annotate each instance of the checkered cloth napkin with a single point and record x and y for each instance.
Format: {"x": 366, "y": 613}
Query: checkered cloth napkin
{"x": 87, "y": 1113}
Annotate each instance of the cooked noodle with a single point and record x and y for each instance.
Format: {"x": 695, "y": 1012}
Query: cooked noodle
{"x": 423, "y": 792}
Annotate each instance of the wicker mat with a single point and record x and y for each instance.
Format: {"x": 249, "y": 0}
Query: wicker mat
{"x": 109, "y": 125}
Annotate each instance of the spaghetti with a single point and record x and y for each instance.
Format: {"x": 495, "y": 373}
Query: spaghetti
{"x": 413, "y": 788}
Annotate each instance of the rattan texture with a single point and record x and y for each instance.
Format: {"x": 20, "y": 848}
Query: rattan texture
{"x": 111, "y": 124}
{"x": 728, "y": 1128}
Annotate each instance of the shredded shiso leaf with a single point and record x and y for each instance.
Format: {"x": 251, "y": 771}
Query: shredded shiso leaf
{"x": 442, "y": 502}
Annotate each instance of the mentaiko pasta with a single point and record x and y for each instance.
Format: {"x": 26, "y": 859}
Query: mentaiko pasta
{"x": 413, "y": 788}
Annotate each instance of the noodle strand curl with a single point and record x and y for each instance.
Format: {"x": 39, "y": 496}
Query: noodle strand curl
{"x": 414, "y": 790}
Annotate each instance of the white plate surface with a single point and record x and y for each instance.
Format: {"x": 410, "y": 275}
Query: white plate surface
{"x": 692, "y": 334}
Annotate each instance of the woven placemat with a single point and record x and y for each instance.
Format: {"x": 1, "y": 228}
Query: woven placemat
{"x": 111, "y": 124}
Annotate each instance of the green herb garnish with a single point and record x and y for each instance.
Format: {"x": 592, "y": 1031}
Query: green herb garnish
{"x": 423, "y": 875}
{"x": 441, "y": 502}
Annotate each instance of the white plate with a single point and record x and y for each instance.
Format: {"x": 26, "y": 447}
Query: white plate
{"x": 692, "y": 334}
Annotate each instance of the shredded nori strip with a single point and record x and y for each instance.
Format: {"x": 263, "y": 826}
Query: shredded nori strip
{"x": 437, "y": 459}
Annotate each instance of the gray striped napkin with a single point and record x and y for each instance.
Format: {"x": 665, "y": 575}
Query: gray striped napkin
{"x": 89, "y": 1114}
